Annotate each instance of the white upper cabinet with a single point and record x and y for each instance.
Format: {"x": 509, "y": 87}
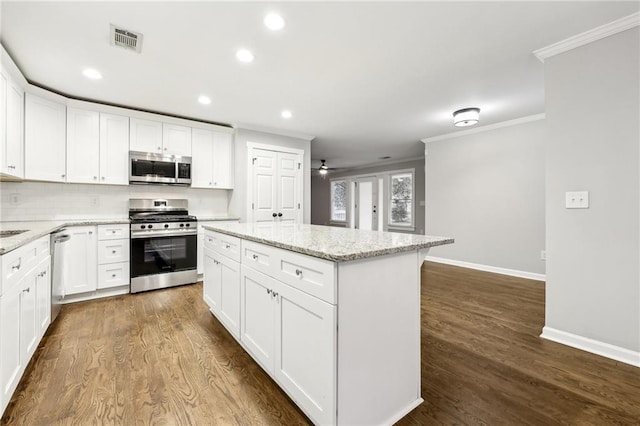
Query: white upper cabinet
{"x": 222, "y": 160}
{"x": 11, "y": 127}
{"x": 114, "y": 149}
{"x": 145, "y": 135}
{"x": 83, "y": 146}
{"x": 212, "y": 161}
{"x": 97, "y": 147}
{"x": 45, "y": 139}
{"x": 176, "y": 140}
{"x": 159, "y": 138}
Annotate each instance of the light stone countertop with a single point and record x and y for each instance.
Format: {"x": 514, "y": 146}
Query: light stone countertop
{"x": 37, "y": 229}
{"x": 214, "y": 218}
{"x": 328, "y": 242}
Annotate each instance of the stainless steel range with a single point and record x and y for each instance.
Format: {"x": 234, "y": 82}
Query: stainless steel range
{"x": 163, "y": 244}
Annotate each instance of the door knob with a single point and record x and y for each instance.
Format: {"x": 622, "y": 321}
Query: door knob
{"x": 279, "y": 214}
{"x": 274, "y": 215}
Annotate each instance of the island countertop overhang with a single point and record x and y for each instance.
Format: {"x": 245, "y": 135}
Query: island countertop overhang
{"x": 328, "y": 242}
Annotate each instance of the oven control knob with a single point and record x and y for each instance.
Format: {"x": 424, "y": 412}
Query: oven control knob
{"x": 182, "y": 225}
{"x": 143, "y": 226}
{"x": 150, "y": 226}
{"x": 166, "y": 225}
{"x": 188, "y": 225}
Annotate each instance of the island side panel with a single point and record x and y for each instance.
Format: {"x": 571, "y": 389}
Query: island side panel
{"x": 378, "y": 338}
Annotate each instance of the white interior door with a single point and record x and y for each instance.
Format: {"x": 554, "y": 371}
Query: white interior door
{"x": 366, "y": 203}
{"x": 288, "y": 178}
{"x": 264, "y": 201}
{"x": 275, "y": 186}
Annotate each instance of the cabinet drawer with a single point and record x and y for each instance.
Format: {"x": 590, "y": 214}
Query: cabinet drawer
{"x": 312, "y": 275}
{"x": 227, "y": 245}
{"x": 113, "y": 232}
{"x": 113, "y": 275}
{"x": 113, "y": 251}
{"x": 19, "y": 261}
{"x": 259, "y": 256}
{"x": 210, "y": 240}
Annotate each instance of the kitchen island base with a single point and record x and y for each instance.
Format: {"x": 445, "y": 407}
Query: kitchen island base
{"x": 341, "y": 338}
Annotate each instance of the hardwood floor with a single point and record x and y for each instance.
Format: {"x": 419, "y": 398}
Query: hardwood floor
{"x": 161, "y": 358}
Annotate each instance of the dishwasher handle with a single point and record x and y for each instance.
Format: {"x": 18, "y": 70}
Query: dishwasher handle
{"x": 61, "y": 238}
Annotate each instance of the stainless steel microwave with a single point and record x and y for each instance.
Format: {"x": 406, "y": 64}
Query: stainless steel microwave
{"x": 146, "y": 167}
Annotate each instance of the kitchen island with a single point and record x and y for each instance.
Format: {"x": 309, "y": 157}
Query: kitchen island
{"x": 331, "y": 314}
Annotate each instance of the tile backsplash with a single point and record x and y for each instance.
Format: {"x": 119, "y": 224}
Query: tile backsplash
{"x": 53, "y": 201}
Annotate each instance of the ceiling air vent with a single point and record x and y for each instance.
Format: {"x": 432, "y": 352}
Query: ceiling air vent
{"x": 125, "y": 38}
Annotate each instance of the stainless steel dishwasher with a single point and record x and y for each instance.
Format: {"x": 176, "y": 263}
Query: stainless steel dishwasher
{"x": 58, "y": 268}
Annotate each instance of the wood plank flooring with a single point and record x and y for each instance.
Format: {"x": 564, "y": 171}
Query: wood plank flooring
{"x": 161, "y": 358}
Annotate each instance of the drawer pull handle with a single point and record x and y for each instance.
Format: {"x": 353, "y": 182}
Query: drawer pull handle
{"x": 17, "y": 267}
{"x": 27, "y": 290}
{"x": 299, "y": 273}
{"x": 227, "y": 246}
{"x": 255, "y": 257}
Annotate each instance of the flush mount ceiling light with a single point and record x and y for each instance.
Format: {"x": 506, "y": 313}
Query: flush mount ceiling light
{"x": 274, "y": 22}
{"x": 204, "y": 99}
{"x": 286, "y": 114}
{"x": 244, "y": 55}
{"x": 92, "y": 74}
{"x": 466, "y": 117}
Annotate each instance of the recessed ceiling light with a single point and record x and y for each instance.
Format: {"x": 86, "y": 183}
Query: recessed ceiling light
{"x": 204, "y": 100}
{"x": 286, "y": 114}
{"x": 92, "y": 74}
{"x": 274, "y": 22}
{"x": 244, "y": 55}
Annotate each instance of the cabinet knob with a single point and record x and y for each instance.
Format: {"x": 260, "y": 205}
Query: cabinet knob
{"x": 102, "y": 177}
{"x": 268, "y": 291}
{"x": 215, "y": 183}
{"x": 62, "y": 175}
{"x": 113, "y": 232}
{"x": 274, "y": 214}
{"x": 165, "y": 149}
{"x": 113, "y": 251}
{"x": 95, "y": 177}
{"x": 113, "y": 275}
{"x": 27, "y": 290}
{"x": 279, "y": 214}
{"x": 90, "y": 232}
{"x": 299, "y": 273}
{"x": 159, "y": 148}
{"x": 227, "y": 246}
{"x": 255, "y": 257}
{"x": 210, "y": 184}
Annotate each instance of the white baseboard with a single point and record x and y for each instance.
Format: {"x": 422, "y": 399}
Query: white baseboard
{"x": 487, "y": 268}
{"x": 594, "y": 346}
{"x": 98, "y": 294}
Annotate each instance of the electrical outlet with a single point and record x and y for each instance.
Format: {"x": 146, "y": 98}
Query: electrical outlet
{"x": 543, "y": 255}
{"x": 14, "y": 199}
{"x": 577, "y": 200}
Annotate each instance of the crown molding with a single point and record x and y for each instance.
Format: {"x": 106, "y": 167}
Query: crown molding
{"x": 587, "y": 37}
{"x": 486, "y": 128}
{"x": 280, "y": 132}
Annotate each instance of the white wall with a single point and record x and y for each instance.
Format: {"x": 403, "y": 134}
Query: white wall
{"x": 486, "y": 190}
{"x": 238, "y": 200}
{"x": 592, "y": 109}
{"x": 51, "y": 201}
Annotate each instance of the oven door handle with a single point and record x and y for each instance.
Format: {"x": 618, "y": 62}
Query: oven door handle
{"x": 163, "y": 234}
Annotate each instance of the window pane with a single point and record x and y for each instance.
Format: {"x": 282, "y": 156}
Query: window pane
{"x": 339, "y": 200}
{"x": 401, "y": 187}
{"x": 401, "y": 212}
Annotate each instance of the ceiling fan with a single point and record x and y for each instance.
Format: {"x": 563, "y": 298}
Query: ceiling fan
{"x": 323, "y": 169}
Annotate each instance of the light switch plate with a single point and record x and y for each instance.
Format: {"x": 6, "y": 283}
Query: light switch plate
{"x": 577, "y": 200}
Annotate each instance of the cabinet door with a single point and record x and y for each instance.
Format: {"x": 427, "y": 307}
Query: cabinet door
{"x": 13, "y": 160}
{"x": 45, "y": 139}
{"x": 145, "y": 135}
{"x": 202, "y": 159}
{"x": 29, "y": 316}
{"x": 257, "y": 324}
{"x": 222, "y": 160}
{"x": 114, "y": 149}
{"x": 229, "y": 308}
{"x": 211, "y": 280}
{"x": 43, "y": 295}
{"x": 176, "y": 140}
{"x": 82, "y": 254}
{"x": 83, "y": 146}
{"x": 10, "y": 356}
{"x": 305, "y": 355}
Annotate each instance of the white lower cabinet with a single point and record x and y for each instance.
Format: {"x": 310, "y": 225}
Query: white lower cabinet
{"x": 222, "y": 289}
{"x": 290, "y": 333}
{"x": 201, "y": 225}
{"x": 82, "y": 249}
{"x": 25, "y": 312}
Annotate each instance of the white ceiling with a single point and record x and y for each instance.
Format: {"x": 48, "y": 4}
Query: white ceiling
{"x": 366, "y": 79}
